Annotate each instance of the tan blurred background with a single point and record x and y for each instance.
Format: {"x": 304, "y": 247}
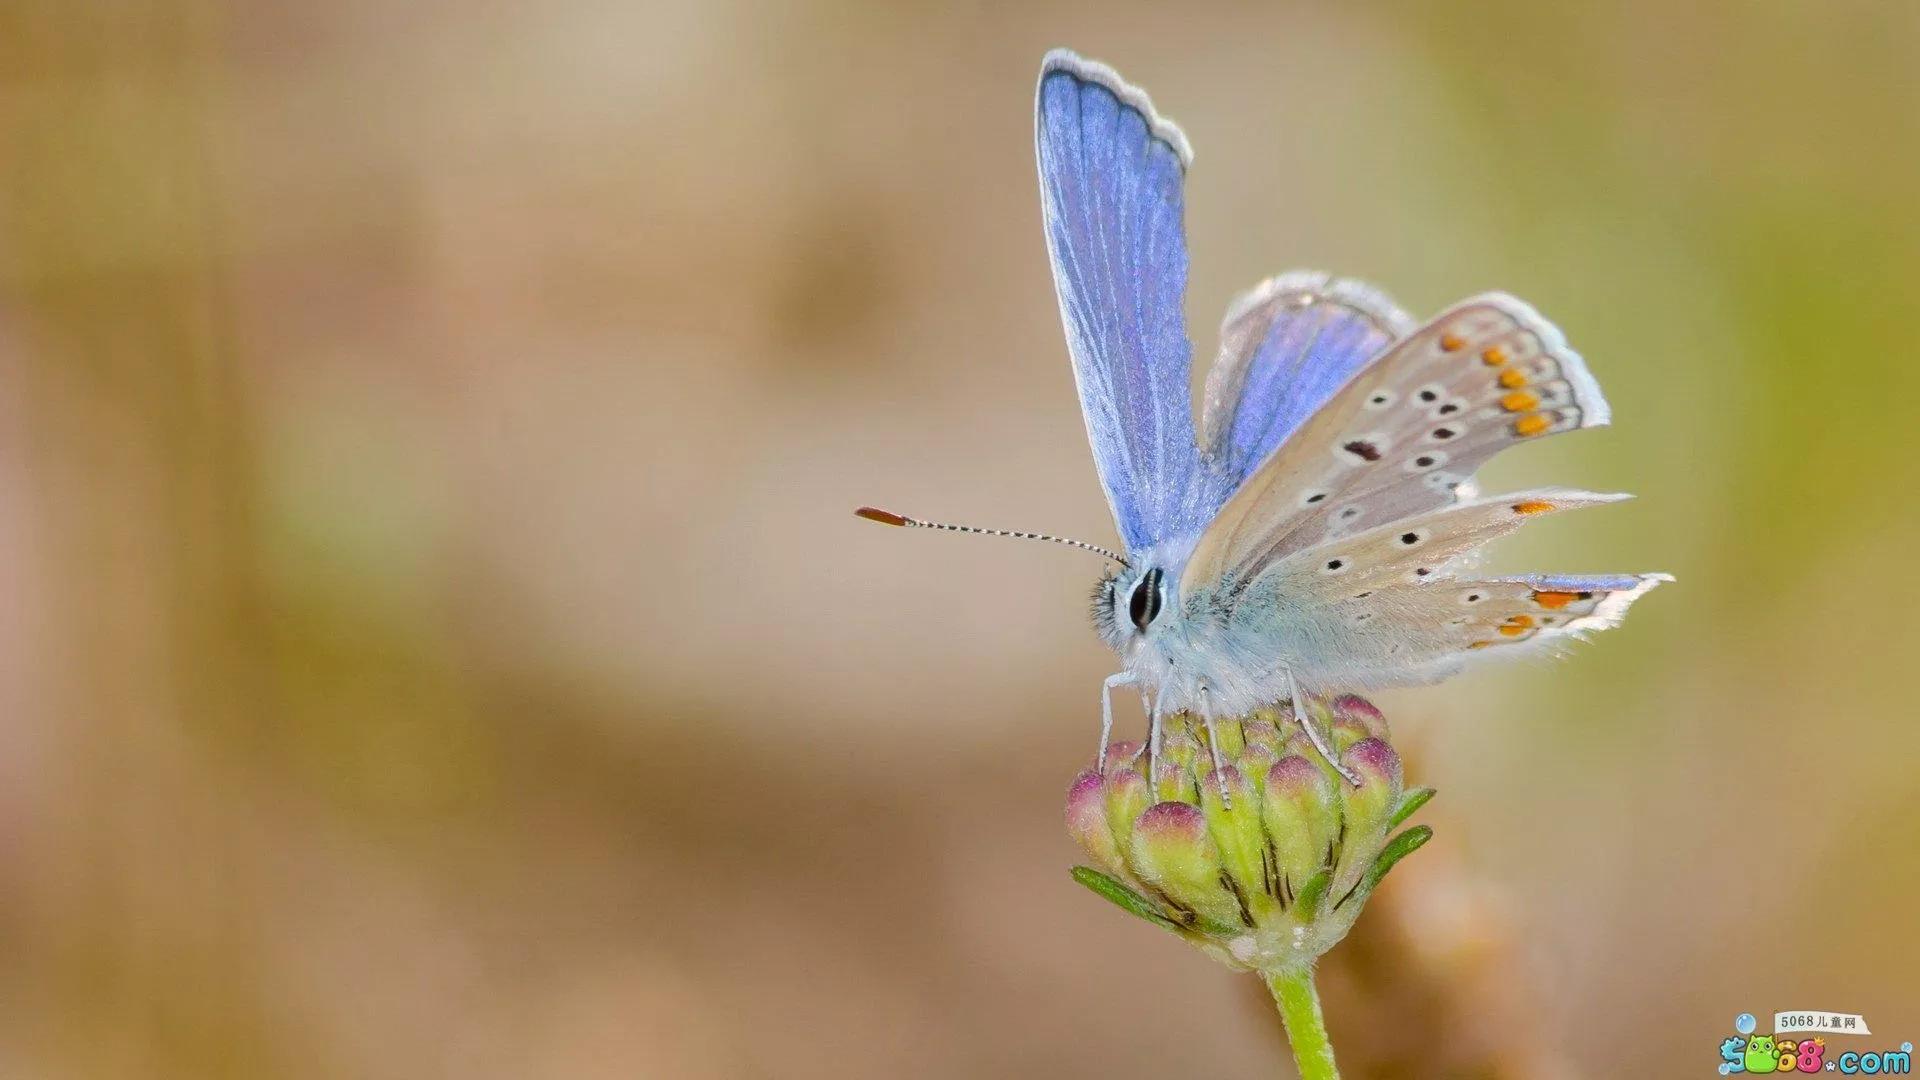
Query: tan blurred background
{"x": 436, "y": 642}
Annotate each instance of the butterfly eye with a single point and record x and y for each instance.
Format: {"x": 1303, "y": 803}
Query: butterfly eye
{"x": 1144, "y": 605}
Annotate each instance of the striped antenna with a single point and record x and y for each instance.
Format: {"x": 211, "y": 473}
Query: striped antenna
{"x": 888, "y": 517}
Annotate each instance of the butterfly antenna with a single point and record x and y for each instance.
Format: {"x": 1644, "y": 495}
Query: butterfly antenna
{"x": 888, "y": 517}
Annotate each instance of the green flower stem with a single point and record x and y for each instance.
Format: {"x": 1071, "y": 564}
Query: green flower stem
{"x": 1299, "y": 1006}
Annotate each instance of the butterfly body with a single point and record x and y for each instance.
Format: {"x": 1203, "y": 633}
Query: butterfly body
{"x": 1312, "y": 533}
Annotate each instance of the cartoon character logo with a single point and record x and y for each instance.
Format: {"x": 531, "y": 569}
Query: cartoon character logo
{"x": 1748, "y": 1051}
{"x": 1733, "y": 1056}
{"x": 1762, "y": 1056}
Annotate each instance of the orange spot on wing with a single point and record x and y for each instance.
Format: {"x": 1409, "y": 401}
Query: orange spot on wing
{"x": 1522, "y": 621}
{"x": 1452, "y": 342}
{"x": 1532, "y": 506}
{"x": 1493, "y": 356}
{"x": 1553, "y": 601}
{"x": 1519, "y": 401}
{"x": 1513, "y": 631}
{"x": 1481, "y": 644}
{"x": 1513, "y": 378}
{"x": 1531, "y": 425}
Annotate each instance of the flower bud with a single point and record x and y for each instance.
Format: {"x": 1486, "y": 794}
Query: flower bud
{"x": 1233, "y": 739}
{"x": 1087, "y": 821}
{"x": 1302, "y": 819}
{"x": 1264, "y": 727}
{"x": 1174, "y": 775}
{"x": 1232, "y": 808}
{"x": 1366, "y": 807}
{"x": 1121, "y": 754}
{"x": 1255, "y": 762}
{"x": 1344, "y": 731}
{"x": 1173, "y": 852}
{"x": 1127, "y": 796}
{"x": 1355, "y": 707}
{"x": 1265, "y": 862}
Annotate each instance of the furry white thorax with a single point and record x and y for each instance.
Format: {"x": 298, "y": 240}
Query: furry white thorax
{"x": 1190, "y": 659}
{"x": 1186, "y": 639}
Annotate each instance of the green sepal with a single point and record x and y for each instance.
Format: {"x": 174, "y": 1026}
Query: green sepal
{"x": 1410, "y": 804}
{"x": 1122, "y": 897}
{"x": 1306, "y": 902}
{"x": 1397, "y": 848}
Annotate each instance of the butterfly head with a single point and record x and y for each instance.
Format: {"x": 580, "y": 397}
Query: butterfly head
{"x": 1128, "y": 602}
{"x": 1139, "y": 602}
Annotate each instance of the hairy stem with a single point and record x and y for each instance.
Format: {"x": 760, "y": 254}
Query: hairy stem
{"x": 1299, "y": 1005}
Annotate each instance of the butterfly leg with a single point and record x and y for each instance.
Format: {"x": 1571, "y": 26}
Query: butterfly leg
{"x": 1302, "y": 716}
{"x": 1213, "y": 744}
{"x": 1118, "y": 678}
{"x": 1153, "y": 740}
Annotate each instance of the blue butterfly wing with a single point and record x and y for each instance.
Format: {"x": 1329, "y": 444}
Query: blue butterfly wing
{"x": 1110, "y": 188}
{"x": 1285, "y": 347}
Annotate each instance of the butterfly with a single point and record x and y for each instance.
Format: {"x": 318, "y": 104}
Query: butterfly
{"x": 1311, "y": 537}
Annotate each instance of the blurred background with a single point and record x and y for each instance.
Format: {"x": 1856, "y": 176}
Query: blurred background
{"x": 436, "y": 642}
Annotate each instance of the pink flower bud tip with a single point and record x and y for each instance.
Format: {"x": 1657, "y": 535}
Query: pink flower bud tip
{"x": 1353, "y": 706}
{"x": 1231, "y": 780}
{"x": 1294, "y": 772}
{"x": 1127, "y": 783}
{"x": 1087, "y": 820}
{"x": 1174, "y": 822}
{"x": 1347, "y": 730}
{"x": 1087, "y": 795}
{"x": 1122, "y": 754}
{"x": 1373, "y": 759}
